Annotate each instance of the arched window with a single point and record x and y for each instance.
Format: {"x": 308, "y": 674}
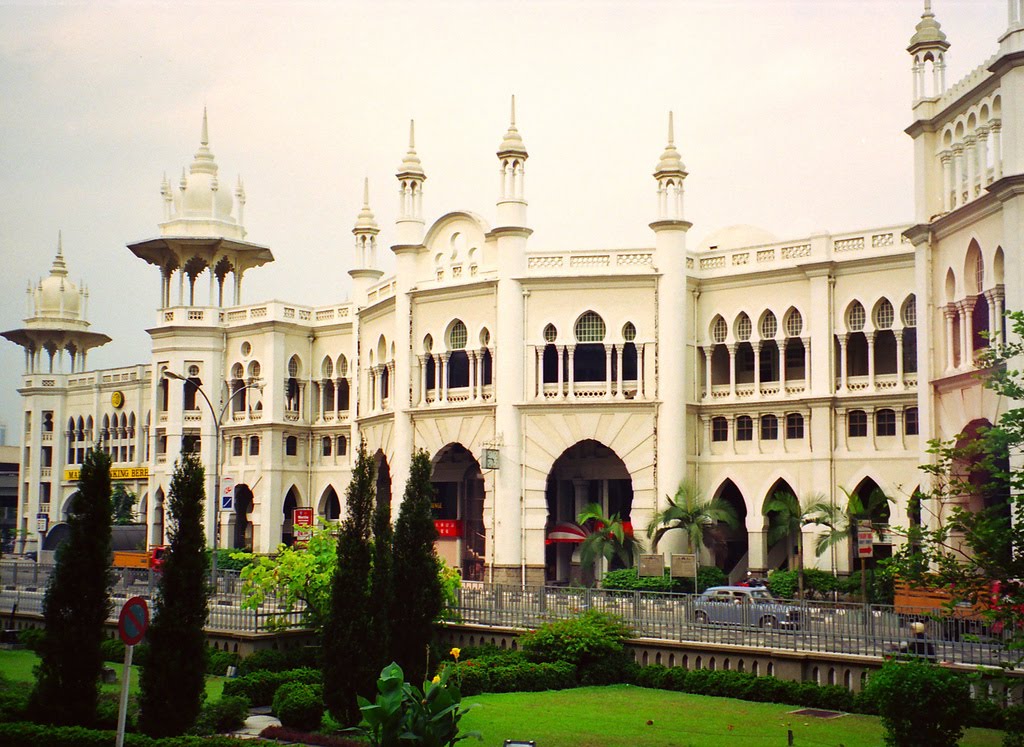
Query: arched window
{"x": 769, "y": 326}
{"x": 719, "y": 329}
{"x": 589, "y": 360}
{"x": 910, "y": 422}
{"x": 769, "y": 428}
{"x": 291, "y": 445}
{"x": 885, "y": 422}
{"x": 884, "y": 314}
{"x": 855, "y": 317}
{"x": 794, "y": 324}
{"x": 743, "y": 328}
{"x": 719, "y": 429}
{"x": 327, "y": 368}
{"x": 325, "y": 445}
{"x": 292, "y": 401}
{"x": 236, "y": 446}
{"x": 794, "y": 426}
{"x": 342, "y": 446}
{"x": 550, "y": 333}
{"x": 857, "y": 424}
{"x": 458, "y": 335}
{"x": 254, "y": 445}
{"x": 744, "y": 428}
{"x": 590, "y": 328}
{"x": 254, "y": 370}
{"x": 908, "y": 314}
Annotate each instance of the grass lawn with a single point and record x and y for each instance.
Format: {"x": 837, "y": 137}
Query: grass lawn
{"x": 617, "y": 717}
{"x": 17, "y": 666}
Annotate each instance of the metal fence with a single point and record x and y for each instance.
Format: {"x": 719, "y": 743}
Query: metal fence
{"x": 801, "y": 626}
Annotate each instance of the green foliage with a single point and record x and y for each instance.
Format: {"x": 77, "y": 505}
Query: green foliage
{"x": 259, "y": 687}
{"x": 226, "y": 714}
{"x": 296, "y": 577}
{"x": 787, "y": 519}
{"x": 1013, "y": 722}
{"x": 122, "y": 505}
{"x": 348, "y": 632}
{"x": 477, "y": 677}
{"x": 589, "y": 642}
{"x": 817, "y": 583}
{"x": 607, "y": 538}
{"x": 217, "y": 661}
{"x": 384, "y": 603}
{"x": 921, "y": 705}
{"x": 451, "y": 581}
{"x": 76, "y": 605}
{"x": 698, "y": 519}
{"x": 32, "y": 638}
{"x": 172, "y": 682}
{"x": 14, "y": 700}
{"x": 417, "y": 569}
{"x": 230, "y": 560}
{"x": 403, "y": 714}
{"x": 20, "y": 734}
{"x": 299, "y": 706}
{"x": 628, "y": 579}
{"x": 277, "y": 660}
{"x": 881, "y": 582}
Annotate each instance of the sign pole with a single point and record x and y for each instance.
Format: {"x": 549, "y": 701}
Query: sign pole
{"x": 122, "y": 711}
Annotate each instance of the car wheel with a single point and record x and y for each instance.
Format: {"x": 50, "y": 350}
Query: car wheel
{"x": 701, "y": 618}
{"x": 768, "y": 622}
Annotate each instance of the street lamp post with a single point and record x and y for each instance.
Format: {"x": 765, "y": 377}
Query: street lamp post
{"x": 217, "y": 418}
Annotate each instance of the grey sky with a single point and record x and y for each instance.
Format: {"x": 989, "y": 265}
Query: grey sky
{"x": 789, "y": 115}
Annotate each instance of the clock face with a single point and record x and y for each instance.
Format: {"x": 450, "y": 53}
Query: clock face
{"x": 117, "y": 399}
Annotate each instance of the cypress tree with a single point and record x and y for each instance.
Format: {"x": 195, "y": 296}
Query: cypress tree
{"x": 349, "y": 638}
{"x": 76, "y": 605}
{"x": 415, "y": 571}
{"x": 172, "y": 683}
{"x": 381, "y": 585}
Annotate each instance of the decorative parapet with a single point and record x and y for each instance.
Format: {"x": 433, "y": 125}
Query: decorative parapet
{"x": 595, "y": 262}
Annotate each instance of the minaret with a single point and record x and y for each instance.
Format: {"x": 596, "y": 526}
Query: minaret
{"x": 410, "y": 189}
{"x": 510, "y": 235}
{"x": 364, "y": 272}
{"x": 928, "y": 48}
{"x": 673, "y": 311}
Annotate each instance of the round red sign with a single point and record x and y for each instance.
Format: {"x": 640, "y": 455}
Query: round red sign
{"x": 133, "y": 621}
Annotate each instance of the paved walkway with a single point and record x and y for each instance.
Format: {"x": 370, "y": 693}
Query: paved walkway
{"x": 259, "y": 719}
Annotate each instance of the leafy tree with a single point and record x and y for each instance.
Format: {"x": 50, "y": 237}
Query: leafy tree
{"x": 790, "y": 518}
{"x": 695, "y": 517}
{"x": 608, "y": 538}
{"x": 419, "y": 599}
{"x": 298, "y": 578}
{"x": 842, "y": 522}
{"x": 348, "y": 633}
{"x": 921, "y": 704}
{"x": 76, "y": 605}
{"x": 382, "y": 592}
{"x": 172, "y": 682}
{"x": 123, "y": 505}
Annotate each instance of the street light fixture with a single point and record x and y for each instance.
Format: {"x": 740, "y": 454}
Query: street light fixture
{"x": 217, "y": 418}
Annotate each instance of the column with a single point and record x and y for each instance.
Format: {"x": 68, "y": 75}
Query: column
{"x": 982, "y": 151}
{"x": 997, "y": 150}
{"x": 807, "y": 363}
{"x": 708, "y": 352}
{"x": 993, "y": 320}
{"x": 948, "y": 312}
{"x": 782, "y": 367}
{"x": 757, "y": 367}
{"x": 732, "y": 370}
{"x": 946, "y": 157}
{"x": 561, "y": 370}
{"x": 899, "y": 358}
{"x": 1000, "y": 317}
{"x": 181, "y": 287}
{"x": 572, "y": 371}
{"x": 444, "y": 393}
{"x": 958, "y": 174}
{"x": 970, "y": 154}
{"x": 423, "y": 379}
{"x": 618, "y": 388}
{"x": 437, "y": 377}
{"x": 337, "y": 399}
{"x": 323, "y": 398}
{"x": 472, "y": 360}
{"x": 608, "y": 371}
{"x": 967, "y": 331}
{"x": 842, "y": 361}
{"x": 538, "y": 372}
{"x": 212, "y": 296}
{"x": 871, "y": 359}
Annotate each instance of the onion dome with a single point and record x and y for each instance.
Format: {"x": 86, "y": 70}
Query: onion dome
{"x": 512, "y": 145}
{"x": 671, "y": 162}
{"x": 928, "y": 33}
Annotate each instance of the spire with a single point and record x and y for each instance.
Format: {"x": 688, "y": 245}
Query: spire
{"x": 671, "y": 163}
{"x": 365, "y": 221}
{"x": 59, "y": 269}
{"x": 203, "y": 160}
{"x": 512, "y": 145}
{"x": 204, "y": 137}
{"x": 411, "y": 166}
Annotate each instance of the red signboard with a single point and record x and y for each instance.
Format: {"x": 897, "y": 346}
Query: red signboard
{"x": 133, "y": 621}
{"x": 448, "y": 527}
{"x": 865, "y": 539}
{"x": 303, "y": 517}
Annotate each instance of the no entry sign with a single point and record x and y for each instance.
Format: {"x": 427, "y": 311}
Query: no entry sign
{"x": 133, "y": 621}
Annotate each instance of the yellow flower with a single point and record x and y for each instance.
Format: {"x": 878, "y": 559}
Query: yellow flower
{"x": 455, "y": 653}
{"x": 437, "y": 678}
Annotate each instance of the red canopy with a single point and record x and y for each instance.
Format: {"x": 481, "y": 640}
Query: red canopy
{"x": 567, "y": 531}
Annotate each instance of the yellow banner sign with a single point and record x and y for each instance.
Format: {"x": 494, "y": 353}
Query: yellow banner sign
{"x": 116, "y": 473}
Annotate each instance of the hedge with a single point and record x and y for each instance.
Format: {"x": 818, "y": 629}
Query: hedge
{"x": 627, "y": 579}
{"x": 276, "y": 660}
{"x": 20, "y": 734}
{"x": 259, "y": 687}
{"x": 299, "y": 706}
{"x": 474, "y": 678}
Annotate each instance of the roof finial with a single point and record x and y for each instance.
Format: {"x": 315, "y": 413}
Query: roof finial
{"x": 204, "y": 139}
{"x": 927, "y": 6}
{"x": 671, "y": 130}
{"x": 412, "y": 134}
{"x": 60, "y": 243}
{"x": 366, "y": 191}
{"x": 513, "y": 120}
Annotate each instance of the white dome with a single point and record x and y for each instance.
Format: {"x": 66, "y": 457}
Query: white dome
{"x": 56, "y": 295}
{"x": 736, "y": 237}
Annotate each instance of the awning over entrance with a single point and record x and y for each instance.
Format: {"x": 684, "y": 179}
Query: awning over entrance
{"x": 566, "y": 531}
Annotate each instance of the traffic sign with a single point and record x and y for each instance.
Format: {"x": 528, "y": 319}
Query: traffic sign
{"x": 133, "y": 621}
{"x": 303, "y": 517}
{"x": 865, "y": 539}
{"x": 227, "y": 494}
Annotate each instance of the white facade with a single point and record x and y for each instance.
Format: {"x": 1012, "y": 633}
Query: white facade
{"x": 816, "y": 364}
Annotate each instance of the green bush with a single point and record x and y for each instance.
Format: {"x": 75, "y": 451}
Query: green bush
{"x": 226, "y": 714}
{"x": 299, "y": 706}
{"x": 817, "y": 583}
{"x": 19, "y": 734}
{"x": 627, "y": 579}
{"x": 276, "y": 660}
{"x": 14, "y": 700}
{"x": 1013, "y": 722}
{"x": 582, "y": 640}
{"x": 472, "y": 678}
{"x": 920, "y": 704}
{"x": 227, "y": 563}
{"x": 531, "y": 677}
{"x": 217, "y": 661}
{"x": 31, "y": 638}
{"x": 259, "y": 687}
{"x": 113, "y": 650}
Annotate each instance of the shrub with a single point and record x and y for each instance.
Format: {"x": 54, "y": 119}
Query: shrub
{"x": 1013, "y": 722}
{"x": 920, "y": 704}
{"x": 299, "y": 706}
{"x": 531, "y": 677}
{"x": 217, "y": 662}
{"x": 275, "y": 660}
{"x": 627, "y": 579}
{"x": 582, "y": 640}
{"x": 14, "y": 700}
{"x": 472, "y": 678}
{"x": 288, "y": 736}
{"x": 21, "y": 733}
{"x": 259, "y": 687}
{"x": 32, "y": 638}
{"x": 817, "y": 583}
{"x": 113, "y": 650}
{"x": 226, "y": 714}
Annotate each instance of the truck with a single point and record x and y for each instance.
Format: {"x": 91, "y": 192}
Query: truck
{"x": 141, "y": 559}
{"x": 944, "y": 616}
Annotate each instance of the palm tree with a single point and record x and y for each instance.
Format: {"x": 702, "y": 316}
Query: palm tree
{"x": 696, "y": 517}
{"x": 842, "y": 523}
{"x": 608, "y": 537}
{"x": 790, "y": 519}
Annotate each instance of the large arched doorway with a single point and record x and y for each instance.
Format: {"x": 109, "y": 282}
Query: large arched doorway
{"x": 459, "y": 510}
{"x": 330, "y": 506}
{"x": 244, "y": 500}
{"x": 874, "y": 506}
{"x": 981, "y": 477}
{"x": 291, "y": 502}
{"x": 731, "y": 553}
{"x": 780, "y": 555}
{"x": 383, "y": 471}
{"x": 587, "y": 472}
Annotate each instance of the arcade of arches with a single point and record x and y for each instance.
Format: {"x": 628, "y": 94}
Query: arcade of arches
{"x": 459, "y": 510}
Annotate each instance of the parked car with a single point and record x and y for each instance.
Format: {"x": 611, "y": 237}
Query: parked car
{"x": 746, "y": 606}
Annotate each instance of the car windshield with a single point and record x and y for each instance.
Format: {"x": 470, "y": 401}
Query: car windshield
{"x": 761, "y": 595}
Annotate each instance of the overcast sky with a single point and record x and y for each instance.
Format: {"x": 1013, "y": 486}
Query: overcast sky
{"x": 789, "y": 116}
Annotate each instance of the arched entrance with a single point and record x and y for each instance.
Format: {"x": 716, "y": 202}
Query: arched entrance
{"x": 291, "y": 502}
{"x": 383, "y": 487}
{"x": 330, "y": 506}
{"x": 459, "y": 510}
{"x": 780, "y": 554}
{"x": 876, "y": 508}
{"x": 981, "y": 477}
{"x": 587, "y": 472}
{"x": 244, "y": 500}
{"x": 731, "y": 554}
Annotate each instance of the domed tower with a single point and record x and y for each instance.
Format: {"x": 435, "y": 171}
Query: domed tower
{"x": 200, "y": 233}
{"x": 928, "y": 48}
{"x": 56, "y": 323}
{"x": 674, "y": 311}
{"x": 410, "y": 177}
{"x": 365, "y": 272}
{"x": 512, "y": 194}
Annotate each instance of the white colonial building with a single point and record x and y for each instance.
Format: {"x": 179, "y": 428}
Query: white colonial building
{"x": 539, "y": 382}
